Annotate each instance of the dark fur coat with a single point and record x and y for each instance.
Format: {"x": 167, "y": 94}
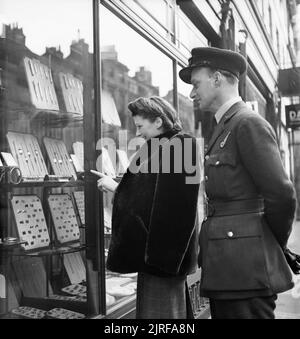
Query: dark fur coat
{"x": 154, "y": 217}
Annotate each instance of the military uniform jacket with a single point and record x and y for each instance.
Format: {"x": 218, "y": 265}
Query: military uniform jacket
{"x": 241, "y": 255}
{"x": 154, "y": 217}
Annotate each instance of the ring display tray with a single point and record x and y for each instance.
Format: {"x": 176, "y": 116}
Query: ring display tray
{"x": 27, "y": 152}
{"x": 60, "y": 160}
{"x": 64, "y": 218}
{"x": 29, "y": 312}
{"x": 75, "y": 289}
{"x": 61, "y": 313}
{"x": 30, "y": 221}
{"x": 79, "y": 201}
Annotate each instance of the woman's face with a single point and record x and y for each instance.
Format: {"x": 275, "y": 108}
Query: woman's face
{"x": 147, "y": 129}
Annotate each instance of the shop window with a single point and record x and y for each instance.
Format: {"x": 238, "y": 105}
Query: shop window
{"x": 148, "y": 72}
{"x": 1, "y": 80}
{"x": 43, "y": 224}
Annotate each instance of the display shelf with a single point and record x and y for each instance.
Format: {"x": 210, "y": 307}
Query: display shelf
{"x": 44, "y": 184}
{"x": 11, "y": 245}
{"x": 55, "y": 119}
{"x": 49, "y": 303}
{"x": 50, "y": 251}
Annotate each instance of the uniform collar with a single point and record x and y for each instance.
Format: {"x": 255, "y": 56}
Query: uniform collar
{"x": 225, "y": 107}
{"x": 233, "y": 110}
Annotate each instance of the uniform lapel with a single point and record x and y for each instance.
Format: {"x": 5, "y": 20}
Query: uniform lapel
{"x": 221, "y": 126}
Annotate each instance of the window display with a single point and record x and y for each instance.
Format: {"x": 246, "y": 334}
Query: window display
{"x": 44, "y": 102}
{"x": 57, "y": 123}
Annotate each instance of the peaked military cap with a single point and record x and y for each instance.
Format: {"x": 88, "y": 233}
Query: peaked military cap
{"x": 214, "y": 58}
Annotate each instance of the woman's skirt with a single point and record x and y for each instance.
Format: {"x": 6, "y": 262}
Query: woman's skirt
{"x": 161, "y": 298}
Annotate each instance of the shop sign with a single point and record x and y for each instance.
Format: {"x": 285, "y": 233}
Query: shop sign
{"x": 292, "y": 116}
{"x": 289, "y": 82}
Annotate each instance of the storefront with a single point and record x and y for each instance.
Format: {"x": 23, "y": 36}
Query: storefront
{"x": 68, "y": 71}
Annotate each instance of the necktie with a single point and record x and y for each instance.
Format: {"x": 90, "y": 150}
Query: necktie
{"x": 213, "y": 127}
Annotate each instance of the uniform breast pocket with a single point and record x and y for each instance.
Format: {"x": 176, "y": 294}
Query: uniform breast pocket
{"x": 220, "y": 169}
{"x": 235, "y": 259}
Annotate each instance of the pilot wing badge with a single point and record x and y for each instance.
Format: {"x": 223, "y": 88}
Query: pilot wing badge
{"x": 223, "y": 143}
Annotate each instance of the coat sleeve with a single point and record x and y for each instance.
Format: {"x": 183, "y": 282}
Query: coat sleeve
{"x": 261, "y": 157}
{"x": 173, "y": 213}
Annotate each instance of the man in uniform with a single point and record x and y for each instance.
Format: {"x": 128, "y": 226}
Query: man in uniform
{"x": 250, "y": 199}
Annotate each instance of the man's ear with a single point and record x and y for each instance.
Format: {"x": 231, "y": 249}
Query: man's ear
{"x": 217, "y": 79}
{"x": 158, "y": 123}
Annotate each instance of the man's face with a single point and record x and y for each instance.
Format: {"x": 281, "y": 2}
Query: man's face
{"x": 204, "y": 91}
{"x": 147, "y": 129}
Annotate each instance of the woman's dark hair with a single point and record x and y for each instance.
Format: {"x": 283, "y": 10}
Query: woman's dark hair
{"x": 156, "y": 107}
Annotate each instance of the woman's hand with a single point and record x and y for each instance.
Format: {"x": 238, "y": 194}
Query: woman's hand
{"x": 105, "y": 183}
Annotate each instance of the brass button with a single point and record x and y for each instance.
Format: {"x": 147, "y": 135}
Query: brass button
{"x": 218, "y": 163}
{"x": 206, "y": 178}
{"x": 207, "y": 157}
{"x": 230, "y": 234}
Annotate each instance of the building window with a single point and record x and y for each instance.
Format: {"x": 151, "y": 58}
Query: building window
{"x": 270, "y": 22}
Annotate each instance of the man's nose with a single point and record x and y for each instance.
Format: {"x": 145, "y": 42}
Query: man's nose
{"x": 138, "y": 133}
{"x": 192, "y": 95}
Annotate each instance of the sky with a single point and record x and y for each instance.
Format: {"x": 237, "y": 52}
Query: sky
{"x": 50, "y": 23}
{"x": 58, "y": 22}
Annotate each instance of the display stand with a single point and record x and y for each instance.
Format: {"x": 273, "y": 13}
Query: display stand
{"x": 60, "y": 160}
{"x": 26, "y": 151}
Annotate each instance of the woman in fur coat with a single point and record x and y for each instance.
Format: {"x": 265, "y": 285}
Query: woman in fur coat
{"x": 154, "y": 212}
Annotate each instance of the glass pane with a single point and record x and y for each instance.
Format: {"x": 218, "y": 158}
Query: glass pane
{"x": 186, "y": 107}
{"x": 188, "y": 36}
{"x": 158, "y": 9}
{"x": 132, "y": 68}
{"x": 46, "y": 77}
{"x": 192, "y": 125}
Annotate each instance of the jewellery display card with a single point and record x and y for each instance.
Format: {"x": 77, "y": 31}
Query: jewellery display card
{"x": 32, "y": 277}
{"x": 79, "y": 200}
{"x": 72, "y": 90}
{"x": 78, "y": 149}
{"x": 107, "y": 165}
{"x": 76, "y": 163}
{"x": 64, "y": 218}
{"x": 27, "y": 152}
{"x": 109, "y": 110}
{"x": 30, "y": 221}
{"x": 9, "y": 160}
{"x": 75, "y": 268}
{"x": 60, "y": 160}
{"x": 40, "y": 84}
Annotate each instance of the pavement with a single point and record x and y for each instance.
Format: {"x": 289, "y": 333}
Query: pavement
{"x": 288, "y": 303}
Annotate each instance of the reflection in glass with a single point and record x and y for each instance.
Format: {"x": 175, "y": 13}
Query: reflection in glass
{"x": 42, "y": 97}
{"x": 131, "y": 68}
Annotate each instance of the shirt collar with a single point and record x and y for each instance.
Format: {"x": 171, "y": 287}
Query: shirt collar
{"x": 225, "y": 107}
